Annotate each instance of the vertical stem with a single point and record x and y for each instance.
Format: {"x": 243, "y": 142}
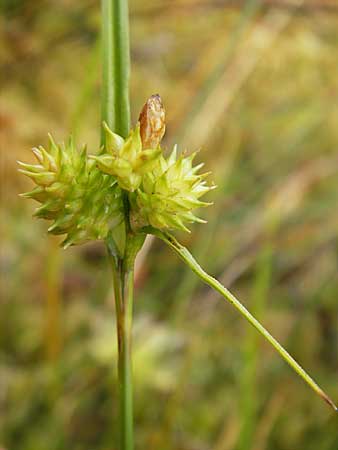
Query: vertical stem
{"x": 115, "y": 108}
{"x": 115, "y": 111}
{"x": 123, "y": 279}
{"x": 125, "y": 362}
{"x": 121, "y": 66}
{"x": 107, "y": 89}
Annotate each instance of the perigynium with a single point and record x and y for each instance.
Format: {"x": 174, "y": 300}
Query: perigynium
{"x": 127, "y": 160}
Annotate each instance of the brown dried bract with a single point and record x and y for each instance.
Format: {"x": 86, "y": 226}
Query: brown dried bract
{"x": 152, "y": 122}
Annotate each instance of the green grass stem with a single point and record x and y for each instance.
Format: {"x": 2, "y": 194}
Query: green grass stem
{"x": 186, "y": 256}
{"x": 115, "y": 108}
{"x": 115, "y": 111}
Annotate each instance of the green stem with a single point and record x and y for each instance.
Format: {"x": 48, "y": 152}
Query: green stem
{"x": 185, "y": 255}
{"x": 123, "y": 280}
{"x": 115, "y": 108}
{"x": 122, "y": 66}
{"x": 115, "y": 111}
{"x": 107, "y": 88}
{"x": 124, "y": 323}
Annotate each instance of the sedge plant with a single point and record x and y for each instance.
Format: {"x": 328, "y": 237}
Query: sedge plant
{"x": 124, "y": 190}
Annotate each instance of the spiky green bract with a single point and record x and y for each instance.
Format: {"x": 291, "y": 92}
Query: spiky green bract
{"x": 83, "y": 203}
{"x": 126, "y": 159}
{"x": 169, "y": 193}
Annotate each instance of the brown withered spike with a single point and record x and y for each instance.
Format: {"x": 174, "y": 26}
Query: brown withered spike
{"x": 152, "y": 122}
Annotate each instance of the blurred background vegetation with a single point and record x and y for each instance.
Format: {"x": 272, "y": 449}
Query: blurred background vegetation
{"x": 254, "y": 84}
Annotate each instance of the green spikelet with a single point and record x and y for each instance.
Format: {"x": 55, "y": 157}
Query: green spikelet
{"x": 83, "y": 203}
{"x": 126, "y": 160}
{"x": 169, "y": 193}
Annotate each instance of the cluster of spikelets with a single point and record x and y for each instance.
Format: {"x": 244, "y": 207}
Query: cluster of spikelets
{"x": 83, "y": 203}
{"x": 163, "y": 192}
{"x": 169, "y": 193}
{"x": 83, "y": 195}
{"x": 126, "y": 160}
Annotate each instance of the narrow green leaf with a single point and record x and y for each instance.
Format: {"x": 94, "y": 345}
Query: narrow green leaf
{"x": 186, "y": 256}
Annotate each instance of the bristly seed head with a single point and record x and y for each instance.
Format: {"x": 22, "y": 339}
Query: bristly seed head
{"x": 169, "y": 193}
{"x": 83, "y": 194}
{"x": 82, "y": 202}
{"x": 127, "y": 160}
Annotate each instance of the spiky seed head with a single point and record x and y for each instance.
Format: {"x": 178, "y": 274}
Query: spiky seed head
{"x": 169, "y": 193}
{"x": 82, "y": 194}
{"x": 83, "y": 203}
{"x": 127, "y": 160}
